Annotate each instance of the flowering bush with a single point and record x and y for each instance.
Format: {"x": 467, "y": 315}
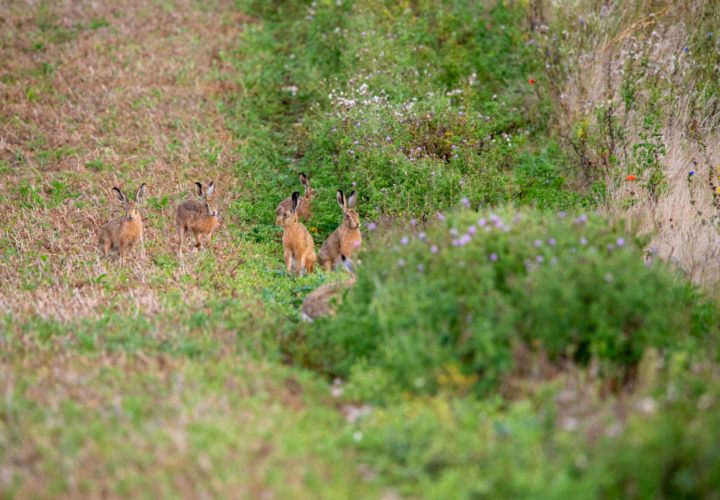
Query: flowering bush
{"x": 465, "y": 290}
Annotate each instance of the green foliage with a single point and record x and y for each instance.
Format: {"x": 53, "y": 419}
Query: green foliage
{"x": 465, "y": 291}
{"x": 647, "y": 155}
{"x": 541, "y": 181}
{"x": 323, "y": 97}
{"x": 442, "y": 447}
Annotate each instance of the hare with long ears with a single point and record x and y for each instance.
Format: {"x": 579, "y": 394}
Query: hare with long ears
{"x": 297, "y": 242}
{"x": 304, "y": 210}
{"x": 346, "y": 239}
{"x": 198, "y": 217}
{"x": 124, "y": 232}
{"x": 319, "y": 301}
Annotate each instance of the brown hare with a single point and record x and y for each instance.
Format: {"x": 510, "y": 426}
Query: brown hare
{"x": 346, "y": 239}
{"x": 318, "y": 302}
{"x": 304, "y": 210}
{"x": 124, "y": 232}
{"x": 297, "y": 242}
{"x": 198, "y": 217}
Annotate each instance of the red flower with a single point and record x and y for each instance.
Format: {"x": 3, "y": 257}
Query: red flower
{"x": 488, "y": 26}
{"x": 531, "y": 81}
{"x": 631, "y": 178}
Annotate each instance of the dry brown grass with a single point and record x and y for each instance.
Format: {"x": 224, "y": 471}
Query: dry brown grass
{"x": 139, "y": 96}
{"x": 683, "y": 231}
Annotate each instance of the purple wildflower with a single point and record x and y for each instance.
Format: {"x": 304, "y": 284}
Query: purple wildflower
{"x": 537, "y": 243}
{"x": 620, "y": 242}
{"x": 472, "y": 230}
{"x": 372, "y": 226}
{"x": 401, "y": 262}
{"x": 421, "y": 268}
{"x": 434, "y": 249}
{"x": 421, "y": 236}
{"x": 404, "y": 240}
{"x": 493, "y": 257}
{"x": 583, "y": 241}
{"x": 552, "y": 242}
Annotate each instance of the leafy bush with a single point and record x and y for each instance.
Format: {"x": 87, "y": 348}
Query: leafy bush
{"x": 446, "y": 304}
{"x": 436, "y": 447}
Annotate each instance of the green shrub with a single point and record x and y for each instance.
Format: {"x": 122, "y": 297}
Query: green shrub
{"x": 662, "y": 444}
{"x": 458, "y": 295}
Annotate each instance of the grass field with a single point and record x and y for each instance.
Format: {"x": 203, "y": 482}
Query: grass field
{"x": 536, "y": 307}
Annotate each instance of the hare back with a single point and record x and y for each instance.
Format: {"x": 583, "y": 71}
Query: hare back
{"x": 191, "y": 215}
{"x": 303, "y": 210}
{"x": 317, "y": 303}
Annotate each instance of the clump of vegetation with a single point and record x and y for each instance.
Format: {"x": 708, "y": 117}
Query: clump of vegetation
{"x": 465, "y": 291}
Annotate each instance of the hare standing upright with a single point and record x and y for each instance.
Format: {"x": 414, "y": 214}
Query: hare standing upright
{"x": 297, "y": 241}
{"x": 346, "y": 239}
{"x": 304, "y": 210}
{"x": 124, "y": 232}
{"x": 317, "y": 303}
{"x": 199, "y": 217}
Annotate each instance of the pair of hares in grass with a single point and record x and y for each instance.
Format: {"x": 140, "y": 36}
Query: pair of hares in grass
{"x": 298, "y": 243}
{"x": 197, "y": 217}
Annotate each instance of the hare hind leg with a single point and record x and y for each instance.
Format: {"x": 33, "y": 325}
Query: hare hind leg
{"x": 198, "y": 245}
{"x": 104, "y": 247}
{"x": 181, "y": 236}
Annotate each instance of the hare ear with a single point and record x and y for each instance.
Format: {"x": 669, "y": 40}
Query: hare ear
{"x": 352, "y": 199}
{"x": 341, "y": 199}
{"x": 120, "y": 194}
{"x": 139, "y": 193}
{"x": 295, "y": 200}
{"x": 304, "y": 180}
{"x": 200, "y": 190}
{"x": 211, "y": 190}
